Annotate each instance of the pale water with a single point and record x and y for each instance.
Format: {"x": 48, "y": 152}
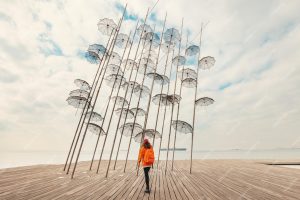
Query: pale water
{"x": 14, "y": 159}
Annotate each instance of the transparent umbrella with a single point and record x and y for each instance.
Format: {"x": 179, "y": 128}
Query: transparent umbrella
{"x": 162, "y": 98}
{"x": 167, "y": 46}
{"x": 129, "y": 64}
{"x": 206, "y": 62}
{"x": 204, "y": 101}
{"x": 151, "y": 39}
{"x": 189, "y": 82}
{"x": 179, "y": 60}
{"x": 132, "y": 85}
{"x": 143, "y": 28}
{"x": 119, "y": 101}
{"x": 129, "y": 128}
{"x": 114, "y": 69}
{"x": 80, "y": 93}
{"x": 138, "y": 111}
{"x": 192, "y": 50}
{"x": 92, "y": 57}
{"x": 76, "y": 101}
{"x": 182, "y": 126}
{"x": 82, "y": 84}
{"x": 96, "y": 129}
{"x": 107, "y": 26}
{"x": 150, "y": 133}
{"x": 187, "y": 73}
{"x": 95, "y": 116}
{"x": 146, "y": 64}
{"x": 121, "y": 40}
{"x": 142, "y": 90}
{"x": 172, "y": 35}
{"x": 124, "y": 111}
{"x": 98, "y": 49}
{"x": 115, "y": 58}
{"x": 115, "y": 80}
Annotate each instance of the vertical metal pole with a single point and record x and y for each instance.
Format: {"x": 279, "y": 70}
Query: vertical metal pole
{"x": 107, "y": 106}
{"x": 86, "y": 105}
{"x": 138, "y": 104}
{"x": 170, "y": 130}
{"x": 178, "y": 107}
{"x": 117, "y": 31}
{"x": 126, "y": 91}
{"x": 194, "y": 111}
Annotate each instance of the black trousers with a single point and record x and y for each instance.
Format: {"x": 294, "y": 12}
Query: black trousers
{"x": 146, "y": 172}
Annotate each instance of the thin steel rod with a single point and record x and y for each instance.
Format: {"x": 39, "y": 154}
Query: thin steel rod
{"x": 107, "y": 106}
{"x": 194, "y": 111}
{"x": 152, "y": 86}
{"x": 117, "y": 31}
{"x": 138, "y": 104}
{"x": 178, "y": 107}
{"x": 170, "y": 127}
{"x": 136, "y": 53}
{"x": 84, "y": 113}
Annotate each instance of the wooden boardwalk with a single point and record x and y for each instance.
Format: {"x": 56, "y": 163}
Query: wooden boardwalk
{"x": 211, "y": 179}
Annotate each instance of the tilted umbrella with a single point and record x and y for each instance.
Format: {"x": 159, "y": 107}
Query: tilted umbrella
{"x": 98, "y": 49}
{"x": 192, "y": 50}
{"x": 206, "y": 62}
{"x": 204, "y": 101}
{"x": 173, "y": 98}
{"x": 162, "y": 98}
{"x": 179, "y": 60}
{"x": 167, "y": 46}
{"x": 150, "y": 133}
{"x": 124, "y": 112}
{"x": 115, "y": 58}
{"x": 82, "y": 84}
{"x": 96, "y": 129}
{"x": 144, "y": 90}
{"x": 182, "y": 126}
{"x": 95, "y": 116}
{"x": 151, "y": 39}
{"x": 114, "y": 69}
{"x": 187, "y": 73}
{"x": 132, "y": 85}
{"x": 138, "y": 111}
{"x": 157, "y": 77}
{"x": 107, "y": 26}
{"x": 119, "y": 101}
{"x": 145, "y": 28}
{"x": 189, "y": 82}
{"x": 129, "y": 128}
{"x": 115, "y": 80}
{"x": 76, "y": 101}
{"x": 129, "y": 64}
{"x": 121, "y": 40}
{"x": 172, "y": 35}
{"x": 146, "y": 64}
{"x": 92, "y": 57}
{"x": 80, "y": 93}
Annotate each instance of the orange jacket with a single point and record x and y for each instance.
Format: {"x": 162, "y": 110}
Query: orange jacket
{"x": 147, "y": 156}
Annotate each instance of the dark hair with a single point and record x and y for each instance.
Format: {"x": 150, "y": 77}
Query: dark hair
{"x": 147, "y": 145}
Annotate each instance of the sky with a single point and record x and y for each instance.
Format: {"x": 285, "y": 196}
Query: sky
{"x": 254, "y": 81}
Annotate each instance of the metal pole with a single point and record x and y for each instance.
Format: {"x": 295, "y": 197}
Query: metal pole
{"x": 126, "y": 90}
{"x": 152, "y": 85}
{"x": 81, "y": 123}
{"x": 138, "y": 104}
{"x": 178, "y": 107}
{"x": 194, "y": 111}
{"x": 173, "y": 102}
{"x": 117, "y": 31}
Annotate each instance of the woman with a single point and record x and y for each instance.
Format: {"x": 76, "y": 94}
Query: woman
{"x": 146, "y": 155}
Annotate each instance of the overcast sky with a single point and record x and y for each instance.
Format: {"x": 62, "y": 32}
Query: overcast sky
{"x": 255, "y": 81}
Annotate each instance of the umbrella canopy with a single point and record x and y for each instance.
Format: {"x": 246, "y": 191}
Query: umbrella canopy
{"x": 82, "y": 84}
{"x": 115, "y": 80}
{"x": 107, "y": 26}
{"x": 172, "y": 35}
{"x": 80, "y": 93}
{"x": 204, "y": 101}
{"x": 150, "y": 133}
{"x": 130, "y": 129}
{"x": 138, "y": 111}
{"x": 131, "y": 85}
{"x": 173, "y": 98}
{"x": 95, "y": 116}
{"x": 187, "y": 73}
{"x": 206, "y": 62}
{"x": 76, "y": 101}
{"x": 124, "y": 112}
{"x": 129, "y": 64}
{"x": 143, "y": 29}
{"x": 189, "y": 82}
{"x": 192, "y": 50}
{"x": 96, "y": 129}
{"x": 92, "y": 57}
{"x": 114, "y": 69}
{"x": 162, "y": 98}
{"x": 151, "y": 39}
{"x": 167, "y": 47}
{"x": 179, "y": 60}
{"x": 98, "y": 49}
{"x": 146, "y": 65}
{"x": 142, "y": 90}
{"x": 119, "y": 101}
{"x": 121, "y": 40}
{"x": 150, "y": 54}
{"x": 115, "y": 58}
{"x": 182, "y": 126}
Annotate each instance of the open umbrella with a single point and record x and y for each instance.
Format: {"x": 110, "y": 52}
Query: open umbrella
{"x": 82, "y": 84}
{"x": 80, "y": 93}
{"x": 114, "y": 69}
{"x": 115, "y": 58}
{"x": 138, "y": 111}
{"x": 130, "y": 114}
{"x": 92, "y": 57}
{"x": 121, "y": 40}
{"x": 107, "y": 26}
{"x": 179, "y": 60}
{"x": 151, "y": 39}
{"x": 129, "y": 64}
{"x": 132, "y": 85}
{"x": 143, "y": 90}
{"x": 76, "y": 101}
{"x": 187, "y": 73}
{"x": 150, "y": 133}
{"x": 146, "y": 64}
{"x": 182, "y": 126}
{"x": 115, "y": 80}
{"x": 192, "y": 50}
{"x": 172, "y": 35}
{"x": 119, "y": 101}
{"x": 145, "y": 28}
{"x": 96, "y": 129}
{"x": 206, "y": 62}
{"x": 98, "y": 49}
{"x": 162, "y": 98}
{"x": 129, "y": 128}
{"x": 95, "y": 116}
{"x": 167, "y": 46}
{"x": 189, "y": 82}
{"x": 204, "y": 101}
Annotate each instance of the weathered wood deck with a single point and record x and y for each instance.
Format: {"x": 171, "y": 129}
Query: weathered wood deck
{"x": 211, "y": 179}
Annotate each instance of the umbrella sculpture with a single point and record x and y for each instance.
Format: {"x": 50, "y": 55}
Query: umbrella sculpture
{"x": 150, "y": 49}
